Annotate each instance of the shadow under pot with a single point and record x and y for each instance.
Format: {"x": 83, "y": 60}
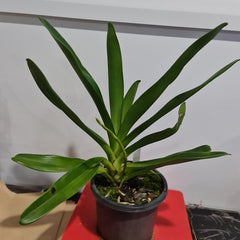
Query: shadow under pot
{"x": 126, "y": 222}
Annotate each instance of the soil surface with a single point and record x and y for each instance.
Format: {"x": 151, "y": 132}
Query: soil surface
{"x": 136, "y": 191}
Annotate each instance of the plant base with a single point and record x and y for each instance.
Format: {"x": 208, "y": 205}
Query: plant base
{"x": 171, "y": 222}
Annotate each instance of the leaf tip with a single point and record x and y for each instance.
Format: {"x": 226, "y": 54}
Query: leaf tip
{"x": 42, "y": 20}
{"x": 29, "y": 61}
{"x": 110, "y": 25}
{"x": 224, "y": 24}
{"x": 207, "y": 148}
{"x": 23, "y": 221}
{"x": 111, "y": 29}
{"x": 182, "y": 109}
{"x": 98, "y": 121}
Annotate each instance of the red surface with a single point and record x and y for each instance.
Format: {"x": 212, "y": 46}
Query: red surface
{"x": 171, "y": 223}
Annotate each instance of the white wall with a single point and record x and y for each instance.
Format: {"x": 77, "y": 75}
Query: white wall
{"x": 29, "y": 123}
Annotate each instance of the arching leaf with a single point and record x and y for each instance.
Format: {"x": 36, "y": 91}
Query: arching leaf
{"x": 47, "y": 163}
{"x": 143, "y": 103}
{"x": 52, "y": 96}
{"x": 62, "y": 189}
{"x": 176, "y": 101}
{"x": 157, "y": 136}
{"x": 81, "y": 71}
{"x": 199, "y": 153}
{"x": 129, "y": 98}
{"x": 115, "y": 77}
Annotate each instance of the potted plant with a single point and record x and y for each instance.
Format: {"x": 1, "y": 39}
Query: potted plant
{"x": 114, "y": 169}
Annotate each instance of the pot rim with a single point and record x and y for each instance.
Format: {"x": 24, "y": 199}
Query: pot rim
{"x": 130, "y": 208}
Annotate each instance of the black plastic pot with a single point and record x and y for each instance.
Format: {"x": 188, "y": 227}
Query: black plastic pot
{"x": 123, "y": 222}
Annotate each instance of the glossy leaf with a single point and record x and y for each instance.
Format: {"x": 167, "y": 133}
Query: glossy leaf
{"x": 81, "y": 71}
{"x": 115, "y": 77}
{"x": 157, "y": 136}
{"x": 47, "y": 90}
{"x": 176, "y": 101}
{"x": 47, "y": 163}
{"x": 199, "y": 153}
{"x": 143, "y": 103}
{"x": 61, "y": 190}
{"x": 129, "y": 98}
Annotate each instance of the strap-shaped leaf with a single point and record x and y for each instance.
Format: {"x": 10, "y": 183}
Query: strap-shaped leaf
{"x": 129, "y": 98}
{"x": 143, "y": 103}
{"x": 83, "y": 74}
{"x": 157, "y": 136}
{"x": 47, "y": 163}
{"x": 47, "y": 90}
{"x": 173, "y": 103}
{"x": 199, "y": 153}
{"x": 61, "y": 190}
{"x": 115, "y": 76}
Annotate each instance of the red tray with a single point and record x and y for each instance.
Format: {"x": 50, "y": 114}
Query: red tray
{"x": 171, "y": 223}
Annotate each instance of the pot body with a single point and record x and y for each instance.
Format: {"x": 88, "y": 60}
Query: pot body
{"x": 123, "y": 222}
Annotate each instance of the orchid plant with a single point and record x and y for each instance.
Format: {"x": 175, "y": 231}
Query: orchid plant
{"x": 118, "y": 122}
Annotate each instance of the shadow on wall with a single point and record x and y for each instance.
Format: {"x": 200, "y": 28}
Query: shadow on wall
{"x": 29, "y": 177}
{"x": 5, "y": 135}
{"x": 9, "y": 171}
{"x": 231, "y": 170}
{"x": 232, "y": 146}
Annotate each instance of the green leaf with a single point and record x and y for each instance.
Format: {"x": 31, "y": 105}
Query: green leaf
{"x": 173, "y": 103}
{"x": 83, "y": 74}
{"x": 115, "y": 77}
{"x": 47, "y": 90}
{"x": 47, "y": 163}
{"x": 143, "y": 103}
{"x": 157, "y": 136}
{"x": 199, "y": 153}
{"x": 129, "y": 98}
{"x": 61, "y": 190}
